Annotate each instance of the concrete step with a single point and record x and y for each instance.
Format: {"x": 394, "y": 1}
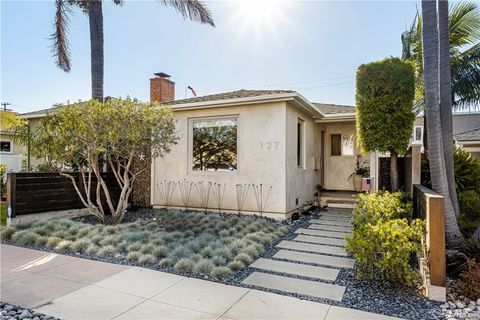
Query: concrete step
{"x": 334, "y": 218}
{"x": 298, "y": 286}
{"x": 321, "y": 233}
{"x": 344, "y": 205}
{"x": 330, "y": 223}
{"x": 321, "y": 240}
{"x": 296, "y": 269}
{"x": 314, "y": 258}
{"x": 330, "y": 228}
{"x": 317, "y": 248}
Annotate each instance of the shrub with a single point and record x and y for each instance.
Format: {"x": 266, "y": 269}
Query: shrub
{"x": 203, "y": 266}
{"x": 165, "y": 262}
{"x": 133, "y": 255}
{"x": 236, "y": 265}
{"x": 134, "y": 247}
{"x": 179, "y": 253}
{"x": 63, "y": 244}
{"x": 24, "y": 237}
{"x": 244, "y": 258}
{"x": 221, "y": 272}
{"x": 382, "y": 250}
{"x": 7, "y": 233}
{"x": 147, "y": 248}
{"x": 146, "y": 259}
{"x": 41, "y": 241}
{"x": 138, "y": 236}
{"x": 160, "y": 252}
{"x": 92, "y": 249}
{"x": 469, "y": 201}
{"x": 80, "y": 245}
{"x": 469, "y": 280}
{"x": 53, "y": 242}
{"x": 109, "y": 230}
{"x": 380, "y": 206}
{"x": 106, "y": 251}
{"x": 184, "y": 265}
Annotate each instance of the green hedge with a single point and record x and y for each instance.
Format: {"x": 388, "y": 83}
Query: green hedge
{"x": 385, "y": 237}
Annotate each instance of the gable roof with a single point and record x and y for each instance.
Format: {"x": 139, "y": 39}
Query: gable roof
{"x": 469, "y": 135}
{"x": 41, "y": 113}
{"x": 229, "y": 95}
{"x": 327, "y": 108}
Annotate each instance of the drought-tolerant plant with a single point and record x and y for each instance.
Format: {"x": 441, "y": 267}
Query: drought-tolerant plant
{"x": 244, "y": 258}
{"x": 41, "y": 241}
{"x": 7, "y": 233}
{"x": 221, "y": 272}
{"x": 80, "y": 245}
{"x": 146, "y": 259}
{"x": 52, "y": 242}
{"x": 203, "y": 266}
{"x": 469, "y": 201}
{"x": 184, "y": 265}
{"x": 469, "y": 285}
{"x": 110, "y": 240}
{"x": 63, "y": 244}
{"x": 25, "y": 237}
{"x": 136, "y": 236}
{"x": 236, "y": 265}
{"x": 165, "y": 262}
{"x": 108, "y": 250}
{"x": 133, "y": 255}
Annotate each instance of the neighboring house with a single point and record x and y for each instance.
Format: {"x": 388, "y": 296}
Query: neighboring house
{"x": 11, "y": 152}
{"x": 469, "y": 140}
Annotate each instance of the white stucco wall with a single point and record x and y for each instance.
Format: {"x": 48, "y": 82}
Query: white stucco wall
{"x": 301, "y": 181}
{"x": 260, "y": 155}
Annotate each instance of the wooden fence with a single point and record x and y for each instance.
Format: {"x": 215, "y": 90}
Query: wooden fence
{"x": 29, "y": 193}
{"x": 428, "y": 205}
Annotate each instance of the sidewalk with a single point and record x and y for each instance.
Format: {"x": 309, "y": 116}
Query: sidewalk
{"x": 74, "y": 288}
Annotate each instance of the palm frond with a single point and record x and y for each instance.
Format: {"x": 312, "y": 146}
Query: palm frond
{"x": 466, "y": 79}
{"x": 60, "y": 47}
{"x": 464, "y": 23}
{"x": 191, "y": 9}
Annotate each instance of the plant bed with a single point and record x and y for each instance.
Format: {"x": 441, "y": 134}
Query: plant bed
{"x": 206, "y": 245}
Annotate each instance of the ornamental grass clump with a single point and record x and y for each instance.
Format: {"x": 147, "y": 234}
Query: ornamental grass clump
{"x": 7, "y": 233}
{"x": 108, "y": 250}
{"x": 80, "y": 245}
{"x": 203, "y": 266}
{"x": 136, "y": 236}
{"x": 25, "y": 237}
{"x": 146, "y": 259}
{"x": 383, "y": 241}
{"x": 184, "y": 265}
{"x": 221, "y": 272}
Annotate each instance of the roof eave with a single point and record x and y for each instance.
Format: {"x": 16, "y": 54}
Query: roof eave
{"x": 337, "y": 117}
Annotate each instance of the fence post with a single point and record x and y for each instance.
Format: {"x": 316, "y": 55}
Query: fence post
{"x": 435, "y": 220}
{"x": 11, "y": 187}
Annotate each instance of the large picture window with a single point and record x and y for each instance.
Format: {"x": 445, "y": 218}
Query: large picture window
{"x": 214, "y": 144}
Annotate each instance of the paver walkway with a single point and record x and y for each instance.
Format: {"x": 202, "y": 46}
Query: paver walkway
{"x": 309, "y": 264}
{"x": 73, "y": 288}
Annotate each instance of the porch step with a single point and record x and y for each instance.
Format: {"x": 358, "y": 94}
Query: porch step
{"x": 313, "y": 258}
{"x": 303, "y": 270}
{"x": 297, "y": 286}
{"x": 343, "y": 205}
{"x": 317, "y": 248}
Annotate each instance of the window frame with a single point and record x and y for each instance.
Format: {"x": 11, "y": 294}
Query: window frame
{"x": 342, "y": 135}
{"x": 190, "y": 122}
{"x": 11, "y": 146}
{"x": 414, "y": 140}
{"x": 301, "y": 143}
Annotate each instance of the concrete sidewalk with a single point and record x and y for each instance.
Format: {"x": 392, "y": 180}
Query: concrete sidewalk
{"x": 74, "y": 288}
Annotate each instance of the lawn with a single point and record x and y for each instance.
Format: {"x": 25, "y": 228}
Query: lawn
{"x": 189, "y": 242}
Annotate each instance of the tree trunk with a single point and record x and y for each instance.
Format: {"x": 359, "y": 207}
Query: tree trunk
{"x": 394, "y": 171}
{"x": 445, "y": 76}
{"x": 434, "y": 125}
{"x": 95, "y": 17}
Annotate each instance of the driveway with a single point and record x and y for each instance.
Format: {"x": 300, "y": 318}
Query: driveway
{"x": 73, "y": 288}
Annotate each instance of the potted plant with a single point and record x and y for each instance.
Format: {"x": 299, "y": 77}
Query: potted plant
{"x": 360, "y": 171}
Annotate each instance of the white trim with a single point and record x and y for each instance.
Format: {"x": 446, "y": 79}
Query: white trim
{"x": 303, "y": 144}
{"x": 190, "y": 122}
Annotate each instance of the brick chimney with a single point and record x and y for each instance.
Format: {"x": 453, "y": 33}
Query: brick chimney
{"x": 162, "y": 89}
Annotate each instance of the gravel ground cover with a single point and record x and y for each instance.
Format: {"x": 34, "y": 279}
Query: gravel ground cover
{"x": 16, "y": 312}
{"x": 206, "y": 245}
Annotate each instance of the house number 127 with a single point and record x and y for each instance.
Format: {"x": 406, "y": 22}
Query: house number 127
{"x": 268, "y": 145}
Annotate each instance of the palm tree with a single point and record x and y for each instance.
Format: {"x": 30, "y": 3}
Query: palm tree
{"x": 189, "y": 9}
{"x": 464, "y": 29}
{"x": 431, "y": 80}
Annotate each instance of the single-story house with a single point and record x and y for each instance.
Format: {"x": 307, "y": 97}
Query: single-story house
{"x": 254, "y": 151}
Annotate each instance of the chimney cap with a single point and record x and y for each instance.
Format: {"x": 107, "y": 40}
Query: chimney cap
{"x": 162, "y": 75}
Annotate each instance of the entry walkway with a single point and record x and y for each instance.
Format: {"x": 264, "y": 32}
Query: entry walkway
{"x": 316, "y": 255}
{"x": 74, "y": 288}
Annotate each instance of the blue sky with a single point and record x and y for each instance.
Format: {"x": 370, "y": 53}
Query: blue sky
{"x": 313, "y": 47}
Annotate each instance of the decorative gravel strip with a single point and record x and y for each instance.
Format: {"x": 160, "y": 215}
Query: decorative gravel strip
{"x": 13, "y": 311}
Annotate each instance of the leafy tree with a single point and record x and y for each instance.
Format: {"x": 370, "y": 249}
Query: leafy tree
{"x": 118, "y": 131}
{"x": 385, "y": 92}
{"x": 191, "y": 9}
{"x": 464, "y": 37}
{"x": 433, "y": 26}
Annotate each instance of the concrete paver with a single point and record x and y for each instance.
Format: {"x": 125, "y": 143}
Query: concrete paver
{"x": 201, "y": 295}
{"x": 154, "y": 310}
{"x": 321, "y": 240}
{"x": 339, "y": 313}
{"x": 268, "y": 306}
{"x": 140, "y": 282}
{"x": 330, "y": 228}
{"x": 338, "y": 262}
{"x": 91, "y": 302}
{"x": 298, "y": 286}
{"x": 317, "y": 248}
{"x": 313, "y": 232}
{"x": 296, "y": 269}
{"x": 331, "y": 223}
